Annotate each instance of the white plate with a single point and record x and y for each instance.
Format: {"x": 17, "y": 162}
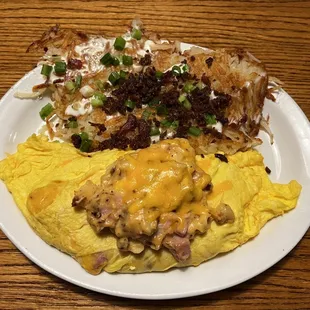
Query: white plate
{"x": 288, "y": 158}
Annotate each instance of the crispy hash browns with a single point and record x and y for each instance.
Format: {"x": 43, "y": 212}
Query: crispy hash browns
{"x": 137, "y": 89}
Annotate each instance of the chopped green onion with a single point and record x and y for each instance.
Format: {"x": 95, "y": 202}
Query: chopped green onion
{"x": 201, "y": 85}
{"x": 85, "y": 145}
{"x": 185, "y": 102}
{"x": 70, "y": 86}
{"x": 187, "y": 105}
{"x": 46, "y": 111}
{"x": 107, "y": 59}
{"x": 175, "y": 124}
{"x": 155, "y": 101}
{"x": 46, "y": 70}
{"x": 188, "y": 87}
{"x": 185, "y": 68}
{"x": 87, "y": 91}
{"x": 78, "y": 81}
{"x": 72, "y": 124}
{"x": 60, "y": 67}
{"x": 98, "y": 100}
{"x": 115, "y": 62}
{"x": 161, "y": 110}
{"x": 182, "y": 98}
{"x": 119, "y": 43}
{"x": 146, "y": 114}
{"x": 210, "y": 119}
{"x": 84, "y": 135}
{"x": 101, "y": 96}
{"x": 136, "y": 34}
{"x": 194, "y": 131}
{"x": 176, "y": 70}
{"x": 123, "y": 74}
{"x": 130, "y": 104}
{"x": 166, "y": 123}
{"x": 159, "y": 74}
{"x": 127, "y": 60}
{"x": 100, "y": 85}
{"x": 154, "y": 131}
{"x": 113, "y": 78}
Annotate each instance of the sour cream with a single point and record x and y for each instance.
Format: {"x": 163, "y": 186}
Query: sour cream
{"x": 79, "y": 108}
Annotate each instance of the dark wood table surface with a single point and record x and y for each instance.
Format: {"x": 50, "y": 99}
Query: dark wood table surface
{"x": 276, "y": 32}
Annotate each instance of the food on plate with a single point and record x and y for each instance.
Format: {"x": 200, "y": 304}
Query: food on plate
{"x": 155, "y": 167}
{"x": 155, "y": 197}
{"x": 137, "y": 89}
{"x": 145, "y": 210}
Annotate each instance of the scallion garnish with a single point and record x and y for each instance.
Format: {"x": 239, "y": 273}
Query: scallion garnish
{"x": 185, "y": 68}
{"x": 159, "y": 74}
{"x": 161, "y": 110}
{"x": 166, "y": 123}
{"x": 101, "y": 96}
{"x": 154, "y": 131}
{"x": 194, "y": 131}
{"x": 78, "y": 81}
{"x": 107, "y": 59}
{"x": 186, "y": 104}
{"x": 201, "y": 85}
{"x": 136, "y": 34}
{"x": 60, "y": 68}
{"x": 72, "y": 124}
{"x": 182, "y": 98}
{"x": 85, "y": 142}
{"x": 70, "y": 86}
{"x": 127, "y": 60}
{"x": 99, "y": 85}
{"x": 84, "y": 135}
{"x": 176, "y": 70}
{"x": 146, "y": 114}
{"x": 98, "y": 100}
{"x": 115, "y": 61}
{"x": 46, "y": 111}
{"x": 123, "y": 74}
{"x": 130, "y": 104}
{"x": 154, "y": 102}
{"x": 175, "y": 124}
{"x": 119, "y": 43}
{"x": 46, "y": 70}
{"x": 188, "y": 87}
{"x": 210, "y": 119}
{"x": 85, "y": 145}
{"x": 114, "y": 77}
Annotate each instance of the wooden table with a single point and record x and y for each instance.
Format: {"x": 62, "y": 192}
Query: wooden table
{"x": 277, "y": 32}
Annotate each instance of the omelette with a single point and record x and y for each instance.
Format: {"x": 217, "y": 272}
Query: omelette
{"x": 47, "y": 179}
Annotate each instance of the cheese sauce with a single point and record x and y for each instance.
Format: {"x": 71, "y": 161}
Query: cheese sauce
{"x": 155, "y": 181}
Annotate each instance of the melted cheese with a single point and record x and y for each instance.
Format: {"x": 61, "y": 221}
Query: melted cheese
{"x": 153, "y": 179}
{"x": 42, "y": 197}
{"x": 220, "y": 189}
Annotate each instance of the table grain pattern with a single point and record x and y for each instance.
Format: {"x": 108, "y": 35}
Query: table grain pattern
{"x": 276, "y": 32}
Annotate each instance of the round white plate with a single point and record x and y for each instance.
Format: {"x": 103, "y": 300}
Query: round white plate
{"x": 288, "y": 158}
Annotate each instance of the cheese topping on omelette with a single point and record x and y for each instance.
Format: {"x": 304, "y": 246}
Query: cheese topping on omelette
{"x": 44, "y": 177}
{"x": 156, "y": 196}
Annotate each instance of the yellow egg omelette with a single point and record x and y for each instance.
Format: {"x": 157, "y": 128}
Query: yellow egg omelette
{"x": 44, "y": 176}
